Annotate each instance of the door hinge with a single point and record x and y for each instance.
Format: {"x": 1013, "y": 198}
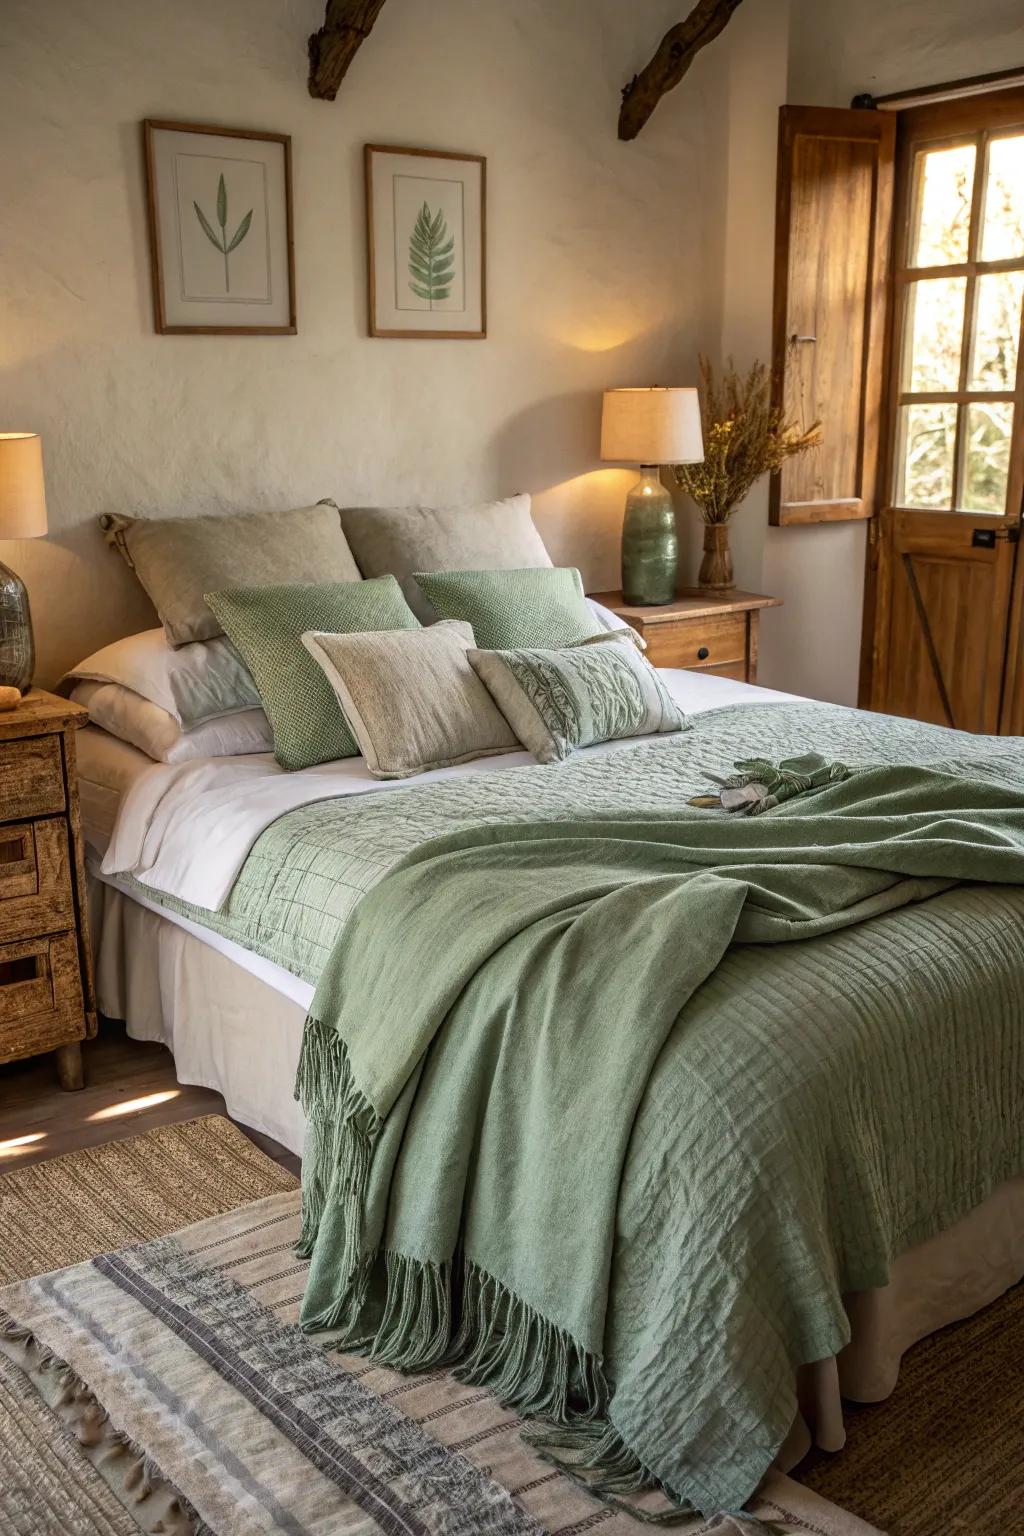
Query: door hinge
{"x": 873, "y": 542}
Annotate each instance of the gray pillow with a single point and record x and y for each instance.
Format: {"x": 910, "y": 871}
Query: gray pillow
{"x": 178, "y": 559}
{"x": 411, "y": 698}
{"x": 490, "y": 536}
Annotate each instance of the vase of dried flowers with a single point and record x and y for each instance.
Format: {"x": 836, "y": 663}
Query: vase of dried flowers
{"x": 745, "y": 437}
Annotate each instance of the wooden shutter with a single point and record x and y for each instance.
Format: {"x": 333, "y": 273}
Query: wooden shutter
{"x": 832, "y": 232}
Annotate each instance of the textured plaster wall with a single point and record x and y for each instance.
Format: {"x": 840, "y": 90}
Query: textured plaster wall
{"x": 839, "y": 49}
{"x": 595, "y": 273}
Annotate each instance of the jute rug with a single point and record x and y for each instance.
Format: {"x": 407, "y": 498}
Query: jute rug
{"x": 944, "y": 1453}
{"x": 67, "y": 1209}
{"x": 176, "y": 1394}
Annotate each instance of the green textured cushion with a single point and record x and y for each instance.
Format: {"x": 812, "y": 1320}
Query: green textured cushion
{"x": 540, "y": 609}
{"x": 267, "y": 625}
{"x": 556, "y": 701}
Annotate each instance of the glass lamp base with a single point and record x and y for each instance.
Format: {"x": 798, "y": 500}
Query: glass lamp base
{"x": 650, "y": 546}
{"x": 17, "y": 647}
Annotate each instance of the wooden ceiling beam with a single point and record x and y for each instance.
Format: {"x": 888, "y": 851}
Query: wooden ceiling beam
{"x": 676, "y": 52}
{"x": 347, "y": 25}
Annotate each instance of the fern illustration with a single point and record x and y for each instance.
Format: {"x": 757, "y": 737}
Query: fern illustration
{"x": 431, "y": 257}
{"x": 221, "y": 241}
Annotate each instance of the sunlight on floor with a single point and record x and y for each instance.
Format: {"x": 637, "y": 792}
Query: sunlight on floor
{"x": 132, "y": 1106}
{"x": 15, "y": 1145}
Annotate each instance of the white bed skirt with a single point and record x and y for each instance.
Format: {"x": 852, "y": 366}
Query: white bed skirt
{"x": 231, "y": 1031}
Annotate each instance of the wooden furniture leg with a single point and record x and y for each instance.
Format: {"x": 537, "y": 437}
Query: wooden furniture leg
{"x": 69, "y": 1066}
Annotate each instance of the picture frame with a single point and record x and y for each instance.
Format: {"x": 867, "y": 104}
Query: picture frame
{"x": 426, "y": 238}
{"x": 219, "y": 207}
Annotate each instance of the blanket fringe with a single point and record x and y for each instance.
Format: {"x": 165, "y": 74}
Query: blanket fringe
{"x": 453, "y": 1314}
{"x": 89, "y": 1422}
{"x": 342, "y": 1126}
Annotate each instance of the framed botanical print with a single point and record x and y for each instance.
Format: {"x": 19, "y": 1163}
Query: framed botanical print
{"x": 220, "y": 230}
{"x": 426, "y": 237}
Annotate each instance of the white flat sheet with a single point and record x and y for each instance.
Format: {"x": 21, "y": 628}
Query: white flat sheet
{"x": 186, "y": 830}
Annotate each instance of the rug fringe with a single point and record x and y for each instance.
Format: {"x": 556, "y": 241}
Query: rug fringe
{"x": 89, "y": 1422}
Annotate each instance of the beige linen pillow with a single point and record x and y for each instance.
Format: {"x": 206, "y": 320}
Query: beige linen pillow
{"x": 411, "y": 698}
{"x": 178, "y": 559}
{"x": 491, "y": 536}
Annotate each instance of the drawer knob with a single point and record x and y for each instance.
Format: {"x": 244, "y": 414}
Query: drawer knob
{"x": 703, "y": 653}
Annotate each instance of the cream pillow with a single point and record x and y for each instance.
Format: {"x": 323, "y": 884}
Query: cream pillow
{"x": 411, "y": 697}
{"x": 153, "y": 730}
{"x": 194, "y": 683}
{"x": 178, "y": 559}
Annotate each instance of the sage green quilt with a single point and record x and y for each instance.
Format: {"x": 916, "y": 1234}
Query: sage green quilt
{"x": 612, "y": 1099}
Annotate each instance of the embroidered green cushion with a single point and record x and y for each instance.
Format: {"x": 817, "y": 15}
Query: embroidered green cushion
{"x": 267, "y": 625}
{"x": 556, "y": 701}
{"x": 539, "y": 608}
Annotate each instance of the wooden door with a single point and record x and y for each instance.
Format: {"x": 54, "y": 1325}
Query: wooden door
{"x": 832, "y": 227}
{"x": 942, "y": 555}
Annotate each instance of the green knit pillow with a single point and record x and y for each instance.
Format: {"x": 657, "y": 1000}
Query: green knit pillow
{"x": 537, "y": 609}
{"x": 267, "y": 625}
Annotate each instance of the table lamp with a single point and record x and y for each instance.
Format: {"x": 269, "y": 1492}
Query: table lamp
{"x": 22, "y": 516}
{"x": 650, "y": 427}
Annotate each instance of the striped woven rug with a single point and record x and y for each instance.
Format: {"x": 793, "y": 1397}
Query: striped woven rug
{"x": 177, "y": 1394}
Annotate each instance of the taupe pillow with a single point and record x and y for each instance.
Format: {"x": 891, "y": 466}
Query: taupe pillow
{"x": 177, "y": 559}
{"x": 491, "y": 536}
{"x": 411, "y": 698}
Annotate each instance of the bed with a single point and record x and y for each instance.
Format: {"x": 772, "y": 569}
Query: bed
{"x": 203, "y": 982}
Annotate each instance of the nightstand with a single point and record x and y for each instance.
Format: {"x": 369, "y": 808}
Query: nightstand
{"x": 699, "y": 631}
{"x": 47, "y": 1002}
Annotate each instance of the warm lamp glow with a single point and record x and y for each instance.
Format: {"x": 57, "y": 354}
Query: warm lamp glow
{"x": 22, "y": 493}
{"x": 651, "y": 426}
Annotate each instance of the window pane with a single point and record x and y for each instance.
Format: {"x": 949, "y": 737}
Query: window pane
{"x": 996, "y": 331}
{"x": 987, "y": 455}
{"x": 927, "y": 437}
{"x": 1002, "y": 230}
{"x": 934, "y": 332}
{"x": 941, "y": 222}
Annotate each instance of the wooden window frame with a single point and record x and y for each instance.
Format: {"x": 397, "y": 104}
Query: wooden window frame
{"x": 977, "y": 120}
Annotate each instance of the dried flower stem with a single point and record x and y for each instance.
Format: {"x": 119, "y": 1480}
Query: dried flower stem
{"x": 745, "y": 437}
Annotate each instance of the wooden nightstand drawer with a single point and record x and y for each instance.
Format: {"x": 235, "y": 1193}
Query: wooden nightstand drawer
{"x": 31, "y": 777}
{"x": 41, "y": 1005}
{"x": 700, "y": 631}
{"x": 705, "y": 642}
{"x": 36, "y": 896}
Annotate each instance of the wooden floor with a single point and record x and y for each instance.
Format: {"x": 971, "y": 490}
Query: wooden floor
{"x": 130, "y": 1087}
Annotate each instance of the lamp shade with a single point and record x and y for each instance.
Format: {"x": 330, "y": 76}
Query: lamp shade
{"x": 22, "y": 493}
{"x": 651, "y": 426}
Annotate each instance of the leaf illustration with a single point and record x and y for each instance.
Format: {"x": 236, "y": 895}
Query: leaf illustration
{"x": 207, "y": 227}
{"x": 221, "y": 241}
{"x": 431, "y": 257}
{"x": 241, "y": 231}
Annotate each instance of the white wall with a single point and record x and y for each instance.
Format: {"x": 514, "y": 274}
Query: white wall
{"x": 838, "y": 50}
{"x": 592, "y": 248}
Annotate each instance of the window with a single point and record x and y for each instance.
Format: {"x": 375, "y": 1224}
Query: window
{"x": 960, "y": 291}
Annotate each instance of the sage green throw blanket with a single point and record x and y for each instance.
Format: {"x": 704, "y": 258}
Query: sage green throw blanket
{"x": 559, "y": 1135}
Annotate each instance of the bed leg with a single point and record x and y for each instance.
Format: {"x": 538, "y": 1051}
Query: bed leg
{"x": 69, "y": 1067}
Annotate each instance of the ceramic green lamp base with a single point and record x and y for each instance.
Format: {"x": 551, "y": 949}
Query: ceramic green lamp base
{"x": 650, "y": 547}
